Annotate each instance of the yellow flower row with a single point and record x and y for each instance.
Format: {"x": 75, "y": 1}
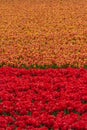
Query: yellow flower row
{"x": 43, "y": 32}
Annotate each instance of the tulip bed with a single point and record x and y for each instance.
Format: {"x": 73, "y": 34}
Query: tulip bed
{"x": 43, "y": 32}
{"x": 35, "y": 37}
{"x": 51, "y": 99}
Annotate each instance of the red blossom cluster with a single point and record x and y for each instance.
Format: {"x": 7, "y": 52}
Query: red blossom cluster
{"x": 52, "y": 99}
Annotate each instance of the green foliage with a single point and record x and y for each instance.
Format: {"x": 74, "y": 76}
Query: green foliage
{"x": 54, "y": 66}
{"x": 85, "y": 66}
{"x": 55, "y": 113}
{"x": 66, "y": 111}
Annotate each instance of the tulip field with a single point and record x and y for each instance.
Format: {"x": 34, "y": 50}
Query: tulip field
{"x": 50, "y": 99}
{"x": 43, "y": 64}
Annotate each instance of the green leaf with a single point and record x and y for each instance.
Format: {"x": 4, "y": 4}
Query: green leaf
{"x": 66, "y": 111}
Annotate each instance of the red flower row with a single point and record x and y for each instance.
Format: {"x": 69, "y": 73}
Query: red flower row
{"x": 43, "y": 99}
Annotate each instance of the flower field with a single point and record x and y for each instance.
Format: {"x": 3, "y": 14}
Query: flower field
{"x": 43, "y": 99}
{"x": 43, "y": 64}
{"x": 43, "y": 32}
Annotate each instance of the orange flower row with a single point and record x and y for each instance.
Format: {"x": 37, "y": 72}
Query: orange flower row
{"x": 43, "y": 32}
